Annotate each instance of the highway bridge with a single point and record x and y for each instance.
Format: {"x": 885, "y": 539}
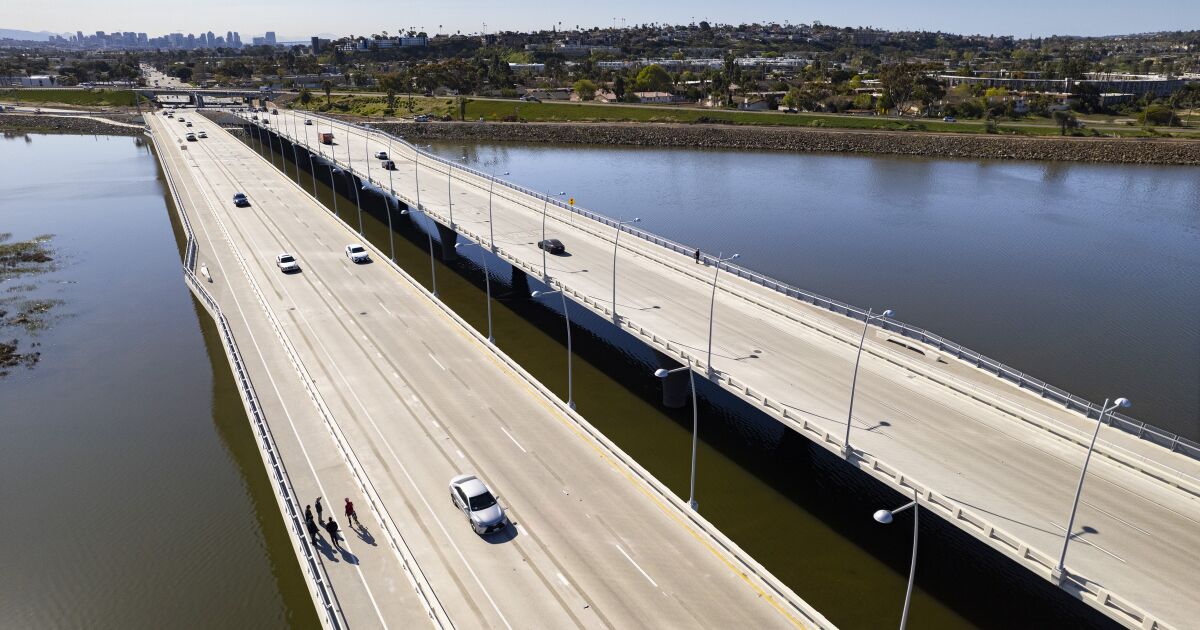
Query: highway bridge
{"x": 360, "y": 384}
{"x": 989, "y": 449}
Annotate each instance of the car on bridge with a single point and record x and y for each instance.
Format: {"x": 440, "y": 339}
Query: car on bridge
{"x": 389, "y": 165}
{"x": 189, "y": 123}
{"x": 287, "y": 263}
{"x": 552, "y": 246}
{"x": 202, "y": 135}
{"x": 381, "y": 155}
{"x": 477, "y": 502}
{"x": 191, "y": 137}
{"x": 308, "y": 121}
{"x": 240, "y": 200}
{"x": 356, "y": 253}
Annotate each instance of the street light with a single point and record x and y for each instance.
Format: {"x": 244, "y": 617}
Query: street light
{"x": 429, "y": 235}
{"x": 885, "y": 517}
{"x": 854, "y": 381}
{"x": 542, "y": 245}
{"x": 712, "y": 307}
{"x": 491, "y": 224}
{"x": 616, "y": 240}
{"x": 487, "y": 281}
{"x": 570, "y": 376}
{"x": 663, "y": 374}
{"x": 1059, "y": 570}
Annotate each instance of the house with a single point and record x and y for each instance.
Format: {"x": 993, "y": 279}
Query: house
{"x": 655, "y": 97}
{"x": 752, "y": 103}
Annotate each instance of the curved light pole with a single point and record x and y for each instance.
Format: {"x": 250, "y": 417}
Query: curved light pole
{"x": 616, "y": 241}
{"x": 570, "y": 376}
{"x": 1059, "y": 570}
{"x": 491, "y": 224}
{"x": 663, "y": 374}
{"x": 885, "y": 517}
{"x": 333, "y": 187}
{"x": 854, "y": 380}
{"x": 542, "y": 245}
{"x": 712, "y": 307}
{"x": 312, "y": 170}
{"x": 429, "y": 235}
{"x": 487, "y": 281}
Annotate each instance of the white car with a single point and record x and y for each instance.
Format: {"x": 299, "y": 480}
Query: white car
{"x": 477, "y": 502}
{"x": 381, "y": 155}
{"x": 308, "y": 121}
{"x": 356, "y": 253}
{"x": 189, "y": 123}
{"x": 202, "y": 135}
{"x": 287, "y": 263}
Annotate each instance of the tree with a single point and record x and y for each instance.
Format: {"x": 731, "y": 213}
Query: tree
{"x": 653, "y": 78}
{"x": 899, "y": 82}
{"x": 1065, "y": 121}
{"x": 585, "y": 89}
{"x": 327, "y": 85}
{"x": 619, "y": 86}
{"x": 305, "y": 96}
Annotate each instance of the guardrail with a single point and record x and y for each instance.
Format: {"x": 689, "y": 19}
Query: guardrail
{"x": 285, "y": 494}
{"x": 1132, "y": 426}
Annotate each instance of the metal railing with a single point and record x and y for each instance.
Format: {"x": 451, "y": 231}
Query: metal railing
{"x": 281, "y": 482}
{"x": 1132, "y": 426}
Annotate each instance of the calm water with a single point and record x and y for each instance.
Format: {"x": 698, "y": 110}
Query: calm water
{"x": 132, "y": 493}
{"x": 1087, "y": 276}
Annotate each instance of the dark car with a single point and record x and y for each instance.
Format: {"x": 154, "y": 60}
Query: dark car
{"x": 240, "y": 200}
{"x": 389, "y": 165}
{"x": 552, "y": 245}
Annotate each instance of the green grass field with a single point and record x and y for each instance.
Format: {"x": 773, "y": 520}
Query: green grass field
{"x": 497, "y": 110}
{"x": 84, "y": 98}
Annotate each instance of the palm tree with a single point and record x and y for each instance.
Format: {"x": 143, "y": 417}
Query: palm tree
{"x": 327, "y": 85}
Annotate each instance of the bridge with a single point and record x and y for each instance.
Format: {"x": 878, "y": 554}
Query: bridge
{"x": 359, "y": 384}
{"x": 986, "y": 447}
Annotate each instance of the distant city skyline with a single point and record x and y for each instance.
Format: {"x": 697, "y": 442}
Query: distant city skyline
{"x": 301, "y": 19}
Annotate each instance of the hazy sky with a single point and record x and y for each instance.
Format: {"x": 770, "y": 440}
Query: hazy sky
{"x": 303, "y": 18}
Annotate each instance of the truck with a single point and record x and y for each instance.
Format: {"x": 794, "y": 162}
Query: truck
{"x": 327, "y": 137}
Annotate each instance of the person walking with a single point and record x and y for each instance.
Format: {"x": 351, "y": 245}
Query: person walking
{"x": 697, "y": 256}
{"x": 351, "y": 515}
{"x": 319, "y": 510}
{"x": 332, "y": 528}
{"x": 308, "y": 514}
{"x": 313, "y": 531}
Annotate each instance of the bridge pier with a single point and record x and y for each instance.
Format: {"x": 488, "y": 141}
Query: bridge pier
{"x": 519, "y": 284}
{"x": 448, "y": 237}
{"x": 676, "y": 388}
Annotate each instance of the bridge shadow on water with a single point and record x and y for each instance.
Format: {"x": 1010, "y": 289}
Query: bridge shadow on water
{"x": 796, "y": 508}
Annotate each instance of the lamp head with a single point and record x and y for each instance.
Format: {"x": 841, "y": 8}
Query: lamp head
{"x": 888, "y": 313}
{"x": 536, "y": 294}
{"x": 883, "y": 516}
{"x": 1122, "y": 402}
{"x": 661, "y": 373}
{"x": 735, "y": 256}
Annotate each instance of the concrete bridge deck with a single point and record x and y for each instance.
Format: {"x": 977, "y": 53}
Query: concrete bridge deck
{"x": 997, "y": 460}
{"x": 378, "y": 393}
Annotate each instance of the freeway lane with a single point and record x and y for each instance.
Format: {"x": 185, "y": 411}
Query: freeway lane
{"x": 981, "y": 443}
{"x": 421, "y": 400}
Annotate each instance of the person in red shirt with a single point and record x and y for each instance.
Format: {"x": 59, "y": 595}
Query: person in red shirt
{"x": 350, "y": 513}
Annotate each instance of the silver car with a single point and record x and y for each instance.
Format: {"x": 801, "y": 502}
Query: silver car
{"x": 287, "y": 263}
{"x": 477, "y": 502}
{"x": 356, "y": 253}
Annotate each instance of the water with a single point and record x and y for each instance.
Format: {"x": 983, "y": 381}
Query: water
{"x": 1086, "y": 276}
{"x": 801, "y": 512}
{"x": 132, "y": 492}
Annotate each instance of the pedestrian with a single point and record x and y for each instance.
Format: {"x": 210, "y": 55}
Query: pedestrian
{"x": 319, "y": 510}
{"x": 351, "y": 515}
{"x": 697, "y": 257}
{"x": 332, "y": 528}
{"x": 308, "y": 514}
{"x": 313, "y": 530}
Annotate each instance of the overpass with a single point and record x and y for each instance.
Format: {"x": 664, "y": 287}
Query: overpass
{"x": 989, "y": 449}
{"x": 358, "y": 384}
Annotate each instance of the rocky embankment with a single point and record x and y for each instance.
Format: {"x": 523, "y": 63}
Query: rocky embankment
{"x": 33, "y": 123}
{"x": 973, "y": 146}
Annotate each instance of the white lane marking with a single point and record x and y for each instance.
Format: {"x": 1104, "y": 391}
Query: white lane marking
{"x": 635, "y": 565}
{"x": 435, "y": 423}
{"x": 1090, "y": 543}
{"x": 439, "y": 363}
{"x": 1116, "y": 518}
{"x": 378, "y": 355}
{"x": 385, "y": 309}
{"x": 514, "y": 440}
{"x": 563, "y": 580}
{"x": 460, "y": 454}
{"x": 395, "y": 375}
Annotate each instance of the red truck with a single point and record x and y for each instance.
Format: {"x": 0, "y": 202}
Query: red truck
{"x": 327, "y": 137}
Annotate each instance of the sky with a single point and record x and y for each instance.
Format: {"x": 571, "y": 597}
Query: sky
{"x": 304, "y": 18}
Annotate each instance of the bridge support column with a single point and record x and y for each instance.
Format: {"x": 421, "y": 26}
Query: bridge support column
{"x": 448, "y": 237}
{"x": 675, "y": 387}
{"x": 520, "y": 284}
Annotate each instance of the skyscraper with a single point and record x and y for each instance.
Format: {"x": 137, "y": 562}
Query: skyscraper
{"x": 270, "y": 37}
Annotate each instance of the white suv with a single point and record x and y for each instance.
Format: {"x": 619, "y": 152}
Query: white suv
{"x": 287, "y": 263}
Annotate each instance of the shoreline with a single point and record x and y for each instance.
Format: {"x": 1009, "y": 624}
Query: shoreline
{"x": 804, "y": 140}
{"x": 85, "y": 124}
